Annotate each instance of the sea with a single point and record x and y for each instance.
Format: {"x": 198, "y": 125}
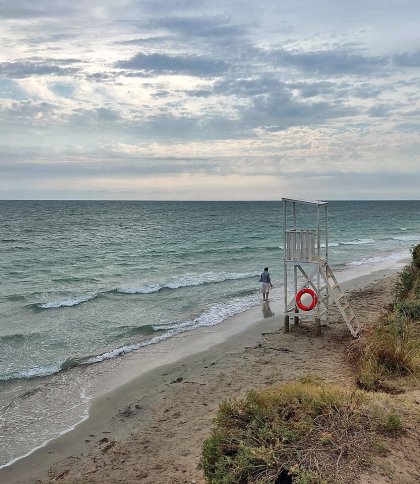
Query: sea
{"x": 83, "y": 283}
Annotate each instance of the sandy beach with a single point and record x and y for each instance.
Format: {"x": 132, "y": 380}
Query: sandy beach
{"x": 151, "y": 429}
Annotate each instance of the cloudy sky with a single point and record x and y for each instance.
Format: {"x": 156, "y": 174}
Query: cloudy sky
{"x": 210, "y": 99}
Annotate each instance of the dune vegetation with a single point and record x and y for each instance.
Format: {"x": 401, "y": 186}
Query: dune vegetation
{"x": 387, "y": 355}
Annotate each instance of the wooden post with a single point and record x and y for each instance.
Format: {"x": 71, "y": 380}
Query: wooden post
{"x": 286, "y": 324}
{"x": 318, "y": 326}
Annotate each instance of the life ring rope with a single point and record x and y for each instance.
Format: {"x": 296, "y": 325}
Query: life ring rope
{"x": 312, "y": 293}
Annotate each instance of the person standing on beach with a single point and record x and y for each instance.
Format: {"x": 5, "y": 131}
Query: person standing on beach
{"x": 265, "y": 281}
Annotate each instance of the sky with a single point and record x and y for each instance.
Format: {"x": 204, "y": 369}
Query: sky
{"x": 209, "y": 99}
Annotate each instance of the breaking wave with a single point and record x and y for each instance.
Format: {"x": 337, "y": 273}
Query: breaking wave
{"x": 73, "y": 301}
{"x": 189, "y": 280}
{"x": 358, "y": 242}
{"x": 396, "y": 256}
{"x": 212, "y": 316}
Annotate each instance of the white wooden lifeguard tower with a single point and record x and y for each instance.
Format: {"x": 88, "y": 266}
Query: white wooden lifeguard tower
{"x": 307, "y": 275}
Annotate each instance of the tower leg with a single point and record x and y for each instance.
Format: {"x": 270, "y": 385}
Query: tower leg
{"x": 286, "y": 324}
{"x": 296, "y": 317}
{"x": 318, "y": 326}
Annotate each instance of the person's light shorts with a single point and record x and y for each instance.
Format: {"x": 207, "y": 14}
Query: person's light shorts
{"x": 265, "y": 286}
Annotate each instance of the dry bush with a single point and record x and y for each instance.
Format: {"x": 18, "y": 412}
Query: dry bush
{"x": 306, "y": 432}
{"x": 389, "y": 349}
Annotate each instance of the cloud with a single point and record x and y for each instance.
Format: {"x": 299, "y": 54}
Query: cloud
{"x": 210, "y": 27}
{"x": 24, "y": 69}
{"x": 200, "y": 87}
{"x": 153, "y": 40}
{"x": 27, "y": 109}
{"x": 20, "y": 9}
{"x": 330, "y": 62}
{"x": 165, "y": 64}
{"x": 407, "y": 59}
{"x": 379, "y": 111}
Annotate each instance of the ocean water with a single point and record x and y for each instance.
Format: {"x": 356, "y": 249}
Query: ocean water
{"x": 84, "y": 282}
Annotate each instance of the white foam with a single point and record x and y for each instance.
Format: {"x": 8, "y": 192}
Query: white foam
{"x": 189, "y": 280}
{"x": 219, "y": 312}
{"x": 331, "y": 244}
{"x": 407, "y": 238}
{"x": 35, "y": 372}
{"x": 215, "y": 314}
{"x": 358, "y": 242}
{"x": 84, "y": 417}
{"x": 74, "y": 301}
{"x": 109, "y": 355}
{"x": 140, "y": 290}
{"x": 396, "y": 256}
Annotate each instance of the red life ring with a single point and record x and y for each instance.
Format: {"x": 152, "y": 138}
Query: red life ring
{"x": 311, "y": 292}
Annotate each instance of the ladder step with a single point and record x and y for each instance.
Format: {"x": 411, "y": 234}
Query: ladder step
{"x": 330, "y": 292}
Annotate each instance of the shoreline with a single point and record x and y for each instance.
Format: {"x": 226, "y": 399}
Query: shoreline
{"x": 151, "y": 386}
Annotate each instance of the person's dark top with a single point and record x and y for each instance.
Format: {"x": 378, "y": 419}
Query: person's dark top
{"x": 265, "y": 277}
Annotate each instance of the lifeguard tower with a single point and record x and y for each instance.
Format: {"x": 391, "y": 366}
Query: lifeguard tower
{"x": 307, "y": 276}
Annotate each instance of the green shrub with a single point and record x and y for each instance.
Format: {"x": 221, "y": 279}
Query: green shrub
{"x": 390, "y": 348}
{"x": 369, "y": 376}
{"x": 409, "y": 308}
{"x": 416, "y": 256}
{"x": 405, "y": 282}
{"x": 394, "y": 423}
{"x": 408, "y": 282}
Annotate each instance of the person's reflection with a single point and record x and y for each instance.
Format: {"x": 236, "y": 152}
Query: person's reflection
{"x": 267, "y": 312}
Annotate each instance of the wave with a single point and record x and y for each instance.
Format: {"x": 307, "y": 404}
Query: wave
{"x": 222, "y": 250}
{"x": 15, "y": 297}
{"x": 84, "y": 399}
{"x": 75, "y": 279}
{"x": 74, "y": 301}
{"x": 331, "y": 244}
{"x": 214, "y": 315}
{"x": 396, "y": 256}
{"x": 42, "y": 371}
{"x": 124, "y": 331}
{"x": 189, "y": 280}
{"x": 16, "y": 337}
{"x": 35, "y": 372}
{"x": 351, "y": 242}
{"x": 358, "y": 242}
{"x": 406, "y": 238}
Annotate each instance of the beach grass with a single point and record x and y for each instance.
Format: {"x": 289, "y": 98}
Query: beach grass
{"x": 390, "y": 350}
{"x": 388, "y": 354}
{"x": 303, "y": 432}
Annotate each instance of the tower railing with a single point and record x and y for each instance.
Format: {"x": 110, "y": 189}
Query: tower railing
{"x": 301, "y": 245}
{"x": 306, "y": 254}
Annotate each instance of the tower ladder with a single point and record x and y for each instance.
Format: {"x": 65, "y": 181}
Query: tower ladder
{"x": 332, "y": 289}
